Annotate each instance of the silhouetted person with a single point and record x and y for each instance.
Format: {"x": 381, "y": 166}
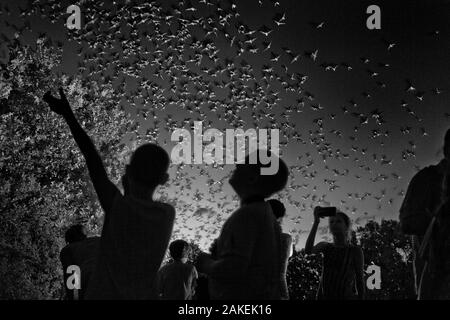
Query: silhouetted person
{"x": 136, "y": 229}
{"x": 425, "y": 199}
{"x": 177, "y": 279}
{"x": 279, "y": 211}
{"x": 246, "y": 263}
{"x": 82, "y": 252}
{"x": 343, "y": 263}
{"x": 436, "y": 245}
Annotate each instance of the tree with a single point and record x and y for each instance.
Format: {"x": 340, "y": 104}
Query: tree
{"x": 303, "y": 275}
{"x": 387, "y": 247}
{"x": 45, "y": 186}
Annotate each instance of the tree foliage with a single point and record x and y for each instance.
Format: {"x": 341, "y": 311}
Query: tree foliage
{"x": 45, "y": 187}
{"x": 387, "y": 247}
{"x": 303, "y": 275}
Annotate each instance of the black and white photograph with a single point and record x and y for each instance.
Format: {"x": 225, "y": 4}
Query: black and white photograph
{"x": 225, "y": 150}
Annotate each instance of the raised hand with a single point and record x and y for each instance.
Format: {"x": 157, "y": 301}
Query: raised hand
{"x": 317, "y": 214}
{"x": 60, "y": 106}
{"x": 106, "y": 190}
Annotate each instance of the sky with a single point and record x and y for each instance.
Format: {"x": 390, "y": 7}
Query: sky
{"x": 355, "y": 124}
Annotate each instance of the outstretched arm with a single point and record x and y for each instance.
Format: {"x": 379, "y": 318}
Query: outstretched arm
{"x": 309, "y": 246}
{"x": 104, "y": 188}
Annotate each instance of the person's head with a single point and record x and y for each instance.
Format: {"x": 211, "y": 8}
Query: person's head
{"x": 278, "y": 209}
{"x": 147, "y": 169}
{"x": 179, "y": 250}
{"x": 447, "y": 145}
{"x": 247, "y": 179}
{"x": 340, "y": 225}
{"x": 75, "y": 233}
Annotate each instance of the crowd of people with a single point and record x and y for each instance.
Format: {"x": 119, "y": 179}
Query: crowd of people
{"x": 249, "y": 258}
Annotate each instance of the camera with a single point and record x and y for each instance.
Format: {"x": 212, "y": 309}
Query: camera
{"x": 327, "y": 211}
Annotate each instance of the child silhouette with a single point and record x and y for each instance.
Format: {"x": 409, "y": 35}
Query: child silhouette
{"x": 136, "y": 229}
{"x": 81, "y": 251}
{"x": 246, "y": 260}
{"x": 177, "y": 279}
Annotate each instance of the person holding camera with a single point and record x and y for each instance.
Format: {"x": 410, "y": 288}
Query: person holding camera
{"x": 342, "y": 272}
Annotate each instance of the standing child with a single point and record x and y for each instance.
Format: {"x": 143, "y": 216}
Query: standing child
{"x": 246, "y": 261}
{"x": 177, "y": 279}
{"x": 136, "y": 229}
{"x": 82, "y": 252}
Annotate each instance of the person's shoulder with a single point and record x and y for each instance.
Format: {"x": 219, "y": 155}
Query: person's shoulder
{"x": 423, "y": 178}
{"x": 286, "y": 235}
{"x": 185, "y": 268}
{"x": 241, "y": 220}
{"x": 64, "y": 251}
{"x": 189, "y": 267}
{"x": 254, "y": 210}
{"x": 245, "y": 215}
{"x": 426, "y": 172}
{"x": 323, "y": 245}
{"x": 165, "y": 267}
{"x": 162, "y": 207}
{"x": 240, "y": 213}
{"x": 93, "y": 240}
{"x": 190, "y": 270}
{"x": 166, "y": 207}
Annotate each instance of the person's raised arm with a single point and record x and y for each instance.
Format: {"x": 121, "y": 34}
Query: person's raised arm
{"x": 312, "y": 234}
{"x": 359, "y": 273}
{"x": 104, "y": 188}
